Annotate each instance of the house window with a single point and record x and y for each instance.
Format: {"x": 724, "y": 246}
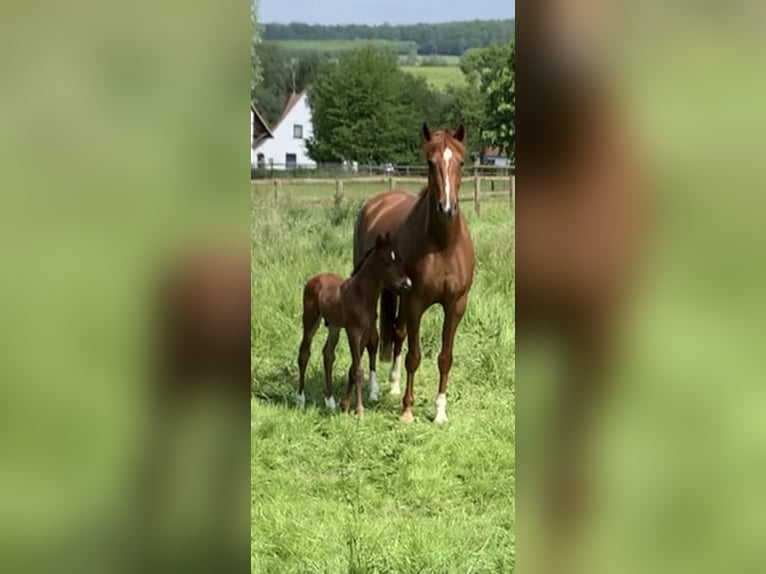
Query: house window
{"x": 298, "y": 131}
{"x": 261, "y": 161}
{"x": 291, "y": 161}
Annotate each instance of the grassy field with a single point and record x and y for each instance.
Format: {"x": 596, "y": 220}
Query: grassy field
{"x": 438, "y": 77}
{"x": 333, "y": 494}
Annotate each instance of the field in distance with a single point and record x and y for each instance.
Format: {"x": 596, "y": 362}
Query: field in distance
{"x": 438, "y": 77}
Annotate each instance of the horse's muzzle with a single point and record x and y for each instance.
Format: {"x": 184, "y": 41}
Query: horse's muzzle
{"x": 405, "y": 285}
{"x": 446, "y": 212}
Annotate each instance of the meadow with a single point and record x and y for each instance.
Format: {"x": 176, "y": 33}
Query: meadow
{"x": 438, "y": 77}
{"x": 332, "y": 493}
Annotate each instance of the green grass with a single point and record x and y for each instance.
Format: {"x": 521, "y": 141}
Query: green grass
{"x": 333, "y": 494}
{"x": 438, "y": 77}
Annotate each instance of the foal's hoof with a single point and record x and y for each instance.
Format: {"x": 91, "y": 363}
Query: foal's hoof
{"x": 440, "y": 417}
{"x": 329, "y": 402}
{"x": 300, "y": 400}
{"x": 407, "y": 417}
{"x": 396, "y": 390}
{"x": 373, "y": 396}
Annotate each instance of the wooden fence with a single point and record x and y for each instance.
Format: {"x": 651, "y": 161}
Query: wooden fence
{"x": 473, "y": 182}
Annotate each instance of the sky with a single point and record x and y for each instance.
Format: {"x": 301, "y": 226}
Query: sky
{"x": 382, "y": 11}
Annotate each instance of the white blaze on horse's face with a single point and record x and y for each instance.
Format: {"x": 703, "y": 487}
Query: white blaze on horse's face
{"x": 447, "y": 156}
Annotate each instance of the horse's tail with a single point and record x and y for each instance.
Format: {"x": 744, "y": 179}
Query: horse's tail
{"x": 387, "y": 322}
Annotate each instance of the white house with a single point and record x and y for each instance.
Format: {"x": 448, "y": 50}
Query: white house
{"x": 259, "y": 131}
{"x": 286, "y": 149}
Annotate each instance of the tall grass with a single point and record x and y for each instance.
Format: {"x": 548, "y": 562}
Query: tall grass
{"x": 331, "y": 493}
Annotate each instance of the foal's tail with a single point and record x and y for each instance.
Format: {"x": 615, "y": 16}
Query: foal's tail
{"x": 387, "y": 321}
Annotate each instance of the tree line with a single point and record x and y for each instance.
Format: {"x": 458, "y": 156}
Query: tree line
{"x": 366, "y": 108}
{"x": 449, "y": 38}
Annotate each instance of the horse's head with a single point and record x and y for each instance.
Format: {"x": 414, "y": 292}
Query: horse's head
{"x": 389, "y": 265}
{"x": 444, "y": 151}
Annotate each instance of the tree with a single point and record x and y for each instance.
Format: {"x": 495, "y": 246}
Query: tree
{"x": 498, "y": 83}
{"x": 255, "y": 39}
{"x": 466, "y": 104}
{"x": 281, "y": 76}
{"x": 365, "y": 108}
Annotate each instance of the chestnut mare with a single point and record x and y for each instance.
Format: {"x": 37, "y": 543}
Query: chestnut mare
{"x": 349, "y": 304}
{"x": 429, "y": 231}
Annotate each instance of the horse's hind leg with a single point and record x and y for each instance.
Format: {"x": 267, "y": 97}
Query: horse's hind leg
{"x": 311, "y": 318}
{"x": 372, "y": 351}
{"x": 328, "y": 353}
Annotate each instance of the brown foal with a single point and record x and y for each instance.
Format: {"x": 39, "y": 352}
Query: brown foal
{"x": 349, "y": 304}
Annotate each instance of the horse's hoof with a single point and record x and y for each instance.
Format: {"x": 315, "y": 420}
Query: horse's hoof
{"x": 407, "y": 417}
{"x": 396, "y": 390}
{"x": 300, "y": 400}
{"x": 441, "y": 417}
{"x": 329, "y": 402}
{"x": 373, "y": 395}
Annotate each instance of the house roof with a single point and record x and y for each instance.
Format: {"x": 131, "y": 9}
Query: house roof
{"x": 260, "y": 119}
{"x": 294, "y": 99}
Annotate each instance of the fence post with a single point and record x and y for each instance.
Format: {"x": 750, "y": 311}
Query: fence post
{"x": 513, "y": 190}
{"x": 390, "y": 182}
{"x": 338, "y": 190}
{"x": 476, "y": 189}
{"x": 276, "y": 189}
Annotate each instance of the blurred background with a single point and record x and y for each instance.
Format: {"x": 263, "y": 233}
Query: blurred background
{"x": 123, "y": 167}
{"x": 677, "y": 464}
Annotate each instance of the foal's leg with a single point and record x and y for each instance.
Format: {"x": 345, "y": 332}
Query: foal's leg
{"x": 412, "y": 361}
{"x": 453, "y": 312}
{"x": 328, "y": 353}
{"x": 311, "y": 318}
{"x": 372, "y": 351}
{"x": 355, "y": 342}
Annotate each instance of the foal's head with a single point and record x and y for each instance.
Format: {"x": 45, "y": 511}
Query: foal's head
{"x": 444, "y": 151}
{"x": 386, "y": 265}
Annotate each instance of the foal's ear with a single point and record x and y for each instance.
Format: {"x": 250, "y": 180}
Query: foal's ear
{"x": 460, "y": 133}
{"x": 378, "y": 241}
{"x": 426, "y": 132}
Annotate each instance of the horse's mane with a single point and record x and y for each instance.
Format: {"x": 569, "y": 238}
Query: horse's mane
{"x": 366, "y": 256}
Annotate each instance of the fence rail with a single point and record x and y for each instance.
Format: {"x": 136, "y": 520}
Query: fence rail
{"x": 283, "y": 171}
{"x": 339, "y": 186}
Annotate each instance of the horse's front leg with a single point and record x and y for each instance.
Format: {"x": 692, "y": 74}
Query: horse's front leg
{"x": 356, "y": 345}
{"x": 412, "y": 361}
{"x": 453, "y": 313}
{"x": 372, "y": 351}
{"x": 400, "y": 333}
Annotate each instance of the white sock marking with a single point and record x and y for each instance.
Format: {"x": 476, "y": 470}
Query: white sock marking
{"x": 447, "y": 155}
{"x": 329, "y": 402}
{"x": 300, "y": 399}
{"x": 374, "y": 389}
{"x": 394, "y": 377}
{"x": 441, "y": 408}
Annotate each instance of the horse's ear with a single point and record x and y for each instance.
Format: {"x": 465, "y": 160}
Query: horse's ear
{"x": 426, "y": 132}
{"x": 460, "y": 133}
{"x": 378, "y": 241}
{"x": 387, "y": 238}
